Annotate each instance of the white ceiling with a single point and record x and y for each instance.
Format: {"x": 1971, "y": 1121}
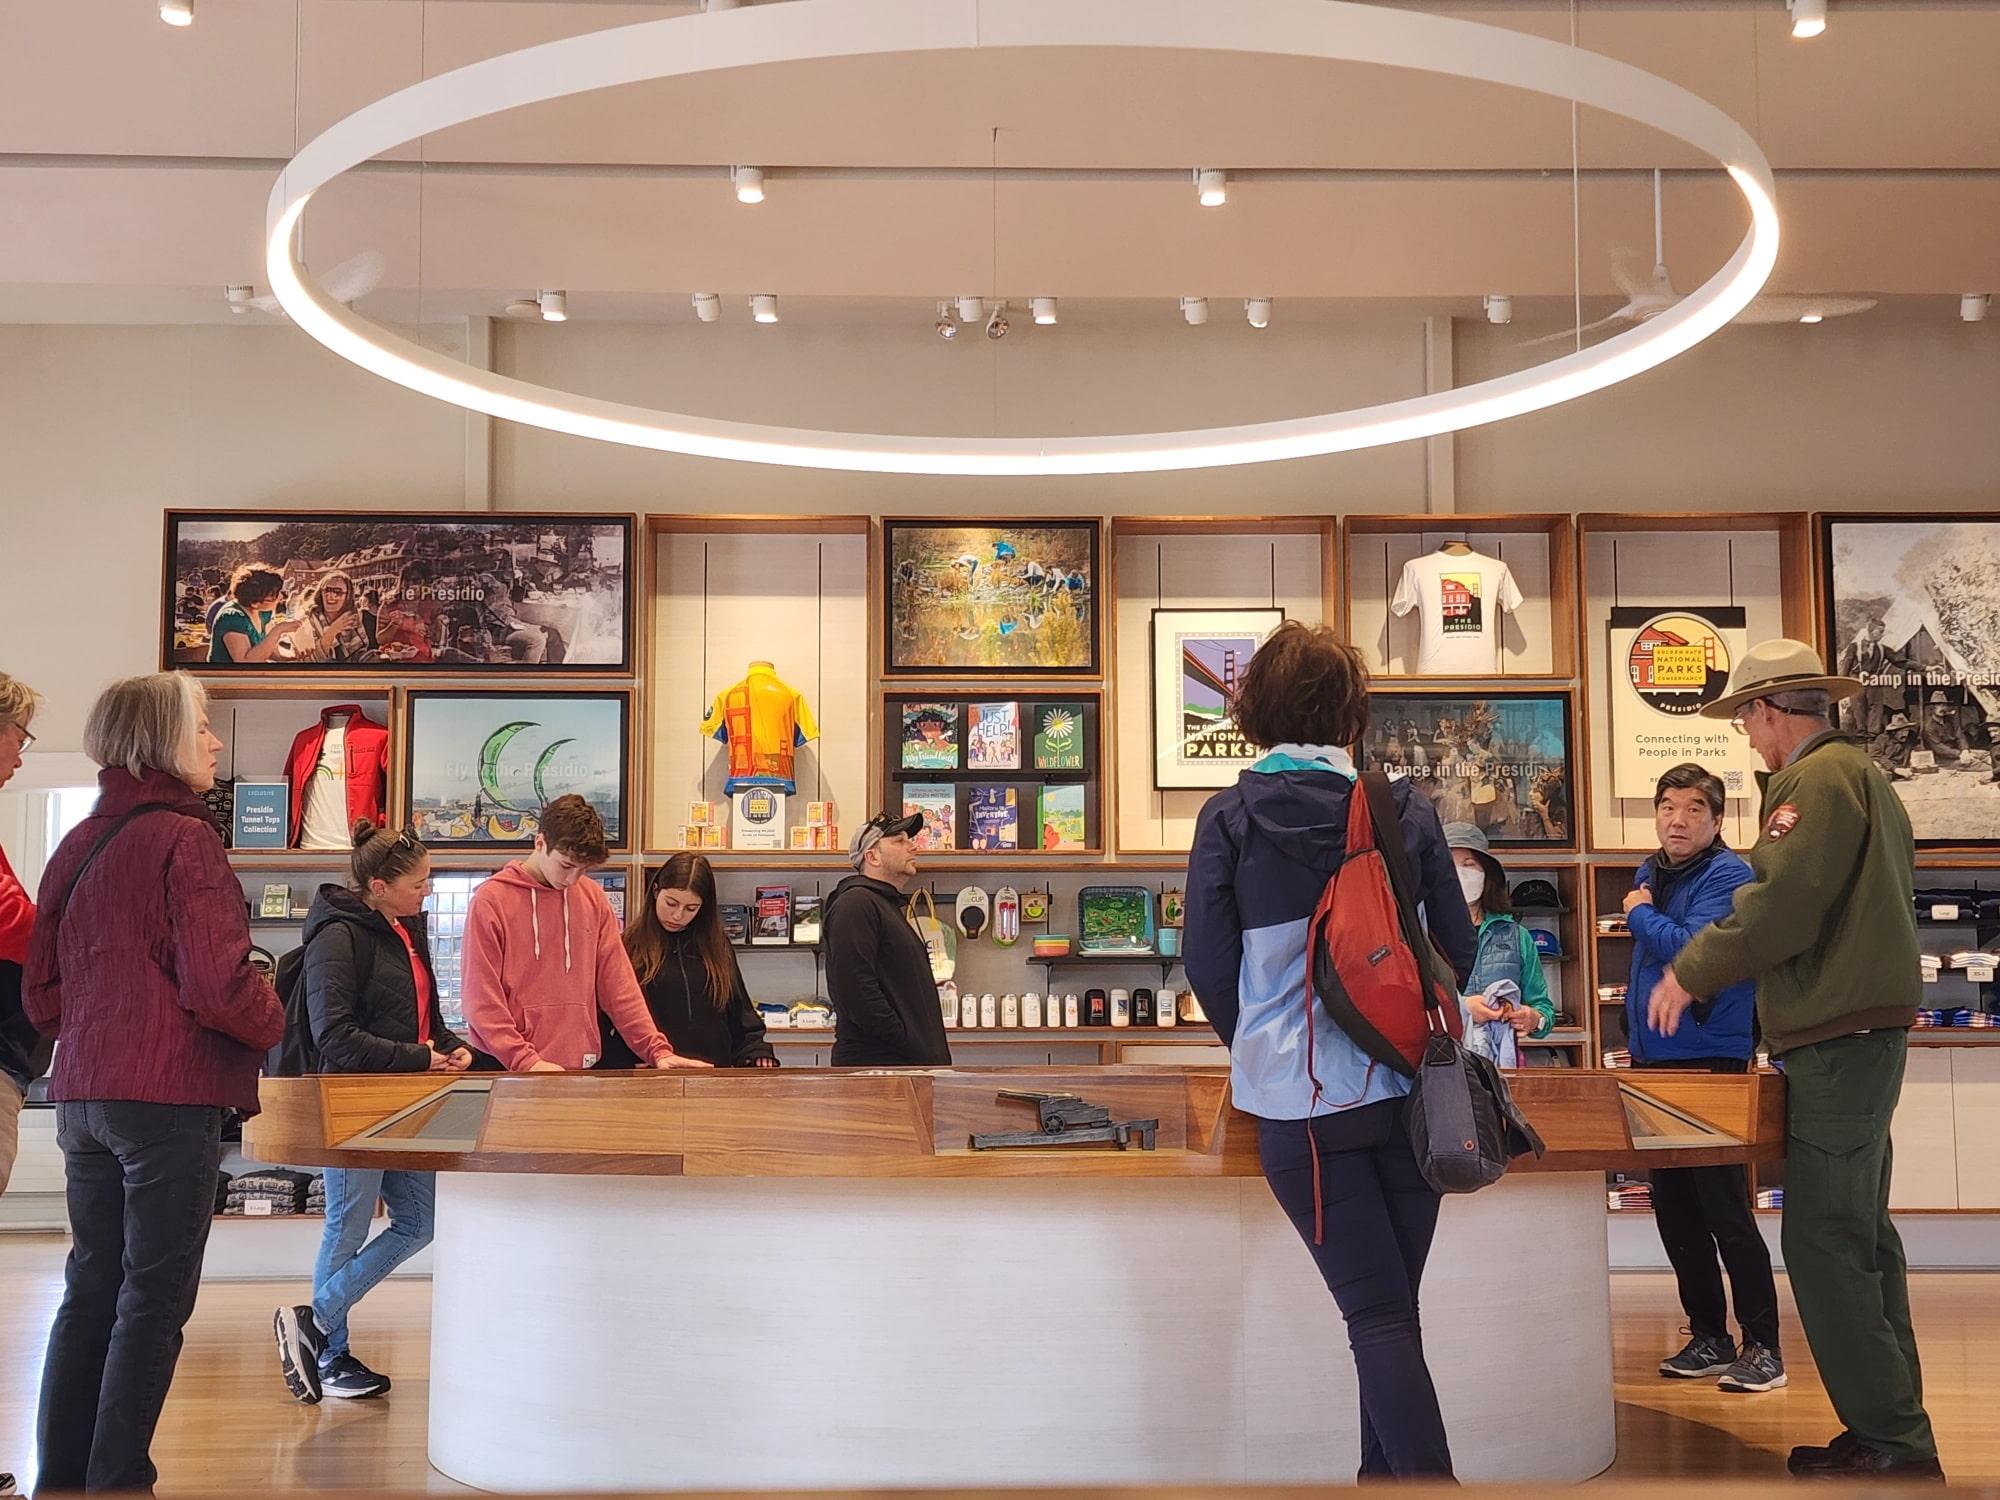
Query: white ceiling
{"x": 135, "y": 159}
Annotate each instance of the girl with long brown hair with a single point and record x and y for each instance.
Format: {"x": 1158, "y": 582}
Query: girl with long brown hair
{"x": 689, "y": 974}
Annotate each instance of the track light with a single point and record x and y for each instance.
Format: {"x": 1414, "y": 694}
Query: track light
{"x": 749, "y": 184}
{"x": 1808, "y": 17}
{"x": 1195, "y": 310}
{"x": 1258, "y": 311}
{"x": 707, "y": 306}
{"x": 1972, "y": 306}
{"x": 1211, "y": 186}
{"x": 764, "y": 308}
{"x": 1044, "y": 309}
{"x": 970, "y": 309}
{"x": 1812, "y": 317}
{"x": 1499, "y": 307}
{"x": 944, "y": 327}
{"x": 238, "y": 298}
{"x": 555, "y": 306}
{"x": 177, "y": 12}
{"x": 996, "y": 326}
{"x": 712, "y": 6}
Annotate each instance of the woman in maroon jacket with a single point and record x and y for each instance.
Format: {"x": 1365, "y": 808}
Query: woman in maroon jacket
{"x": 139, "y": 967}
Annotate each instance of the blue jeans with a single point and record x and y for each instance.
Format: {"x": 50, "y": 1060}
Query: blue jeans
{"x": 347, "y": 1270}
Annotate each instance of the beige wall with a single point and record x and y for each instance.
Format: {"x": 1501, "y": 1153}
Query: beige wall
{"x": 102, "y": 427}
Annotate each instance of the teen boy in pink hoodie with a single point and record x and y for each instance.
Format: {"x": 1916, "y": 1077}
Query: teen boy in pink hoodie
{"x": 543, "y": 953}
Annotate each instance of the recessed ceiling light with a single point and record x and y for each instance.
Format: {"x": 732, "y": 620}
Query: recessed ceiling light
{"x": 1258, "y": 311}
{"x": 1044, "y": 309}
{"x": 555, "y": 306}
{"x": 177, "y": 12}
{"x": 1499, "y": 307}
{"x": 1812, "y": 317}
{"x": 749, "y": 184}
{"x": 764, "y": 308}
{"x": 1195, "y": 310}
{"x": 1808, "y": 17}
{"x": 1972, "y": 306}
{"x": 707, "y": 306}
{"x": 522, "y": 307}
{"x": 1211, "y": 186}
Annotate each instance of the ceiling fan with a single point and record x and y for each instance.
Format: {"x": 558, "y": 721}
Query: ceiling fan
{"x": 1648, "y": 297}
{"x": 347, "y": 283}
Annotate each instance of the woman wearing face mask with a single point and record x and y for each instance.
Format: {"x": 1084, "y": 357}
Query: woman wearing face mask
{"x": 689, "y": 974}
{"x": 372, "y": 999}
{"x": 1507, "y": 992}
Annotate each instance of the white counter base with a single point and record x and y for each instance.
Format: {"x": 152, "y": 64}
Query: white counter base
{"x": 620, "y": 1333}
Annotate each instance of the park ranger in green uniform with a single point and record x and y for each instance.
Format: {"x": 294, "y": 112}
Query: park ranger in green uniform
{"x": 1828, "y": 930}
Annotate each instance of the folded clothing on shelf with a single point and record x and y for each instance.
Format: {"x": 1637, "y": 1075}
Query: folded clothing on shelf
{"x": 1611, "y": 926}
{"x": 1950, "y": 903}
{"x": 1973, "y": 958}
{"x": 280, "y": 1187}
{"x": 1618, "y": 1057}
{"x": 1771, "y": 1197}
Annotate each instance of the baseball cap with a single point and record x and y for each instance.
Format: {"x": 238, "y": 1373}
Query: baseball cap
{"x": 1538, "y": 895}
{"x": 883, "y": 825}
{"x": 1546, "y": 942}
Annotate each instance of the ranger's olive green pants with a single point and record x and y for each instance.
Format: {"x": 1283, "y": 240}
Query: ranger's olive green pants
{"x": 1844, "y": 1257}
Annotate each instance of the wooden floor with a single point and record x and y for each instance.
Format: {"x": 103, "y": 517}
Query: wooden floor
{"x": 229, "y": 1424}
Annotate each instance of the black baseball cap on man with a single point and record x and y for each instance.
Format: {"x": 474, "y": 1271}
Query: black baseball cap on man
{"x": 884, "y": 825}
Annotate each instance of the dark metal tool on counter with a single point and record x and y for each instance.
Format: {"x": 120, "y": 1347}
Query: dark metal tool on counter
{"x": 1068, "y": 1120}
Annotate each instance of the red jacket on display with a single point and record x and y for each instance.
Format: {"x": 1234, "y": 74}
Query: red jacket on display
{"x": 367, "y": 767}
{"x": 144, "y": 977}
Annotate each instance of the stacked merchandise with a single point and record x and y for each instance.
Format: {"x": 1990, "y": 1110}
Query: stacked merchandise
{"x": 1618, "y": 1057}
{"x": 316, "y": 1196}
{"x": 1626, "y": 1193}
{"x": 275, "y": 1192}
{"x": 1771, "y": 1197}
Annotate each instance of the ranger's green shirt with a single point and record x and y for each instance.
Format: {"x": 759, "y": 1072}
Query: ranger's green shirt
{"x": 1828, "y": 927}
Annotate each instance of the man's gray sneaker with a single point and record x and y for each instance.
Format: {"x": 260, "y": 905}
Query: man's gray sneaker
{"x": 1756, "y": 1369}
{"x": 1702, "y": 1356}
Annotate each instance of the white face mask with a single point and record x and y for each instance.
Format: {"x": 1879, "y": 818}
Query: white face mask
{"x": 1472, "y": 883}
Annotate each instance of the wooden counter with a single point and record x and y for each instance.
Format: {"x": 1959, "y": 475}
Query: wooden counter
{"x": 916, "y": 1123}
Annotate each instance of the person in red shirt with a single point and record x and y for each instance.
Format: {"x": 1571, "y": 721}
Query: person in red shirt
{"x": 139, "y": 966}
{"x": 23, "y": 1054}
{"x": 372, "y": 1004}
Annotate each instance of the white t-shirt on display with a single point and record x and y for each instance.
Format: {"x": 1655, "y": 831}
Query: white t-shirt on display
{"x": 324, "y": 825}
{"x": 1459, "y": 598}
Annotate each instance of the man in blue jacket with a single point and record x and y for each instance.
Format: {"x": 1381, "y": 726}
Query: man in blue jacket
{"x": 1702, "y": 1212}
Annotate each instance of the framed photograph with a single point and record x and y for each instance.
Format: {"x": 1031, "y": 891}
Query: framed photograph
{"x": 1199, "y": 656}
{"x": 1500, "y": 761}
{"x": 359, "y": 592}
{"x": 997, "y": 596}
{"x": 1913, "y": 610}
{"x": 483, "y": 764}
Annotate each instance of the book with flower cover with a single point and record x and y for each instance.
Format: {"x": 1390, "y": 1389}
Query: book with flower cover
{"x": 1058, "y": 737}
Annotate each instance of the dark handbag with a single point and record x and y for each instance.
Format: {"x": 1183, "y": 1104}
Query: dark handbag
{"x": 1464, "y": 1124}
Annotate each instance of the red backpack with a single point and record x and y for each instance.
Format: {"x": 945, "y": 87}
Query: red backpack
{"x": 1372, "y": 965}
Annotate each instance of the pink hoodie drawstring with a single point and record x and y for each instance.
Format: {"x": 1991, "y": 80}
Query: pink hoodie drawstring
{"x": 535, "y": 916}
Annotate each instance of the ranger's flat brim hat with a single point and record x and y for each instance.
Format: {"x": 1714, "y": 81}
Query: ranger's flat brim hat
{"x": 1779, "y": 666}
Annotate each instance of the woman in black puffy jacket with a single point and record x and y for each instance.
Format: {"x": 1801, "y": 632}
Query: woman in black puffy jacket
{"x": 372, "y": 998}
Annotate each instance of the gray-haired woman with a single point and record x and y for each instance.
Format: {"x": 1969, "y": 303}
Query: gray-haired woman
{"x": 140, "y": 968}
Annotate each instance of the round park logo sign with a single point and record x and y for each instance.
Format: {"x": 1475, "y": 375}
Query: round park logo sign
{"x": 1678, "y": 663}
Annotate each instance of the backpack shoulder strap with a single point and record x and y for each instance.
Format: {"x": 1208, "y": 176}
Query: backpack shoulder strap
{"x": 1373, "y": 787}
{"x": 55, "y": 911}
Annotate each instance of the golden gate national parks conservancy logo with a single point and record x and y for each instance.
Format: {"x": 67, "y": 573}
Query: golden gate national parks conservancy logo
{"x": 1678, "y": 663}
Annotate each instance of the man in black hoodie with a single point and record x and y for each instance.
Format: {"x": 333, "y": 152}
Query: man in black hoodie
{"x": 878, "y": 973}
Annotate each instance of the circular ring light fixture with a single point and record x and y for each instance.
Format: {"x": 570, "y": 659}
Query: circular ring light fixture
{"x": 807, "y": 30}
